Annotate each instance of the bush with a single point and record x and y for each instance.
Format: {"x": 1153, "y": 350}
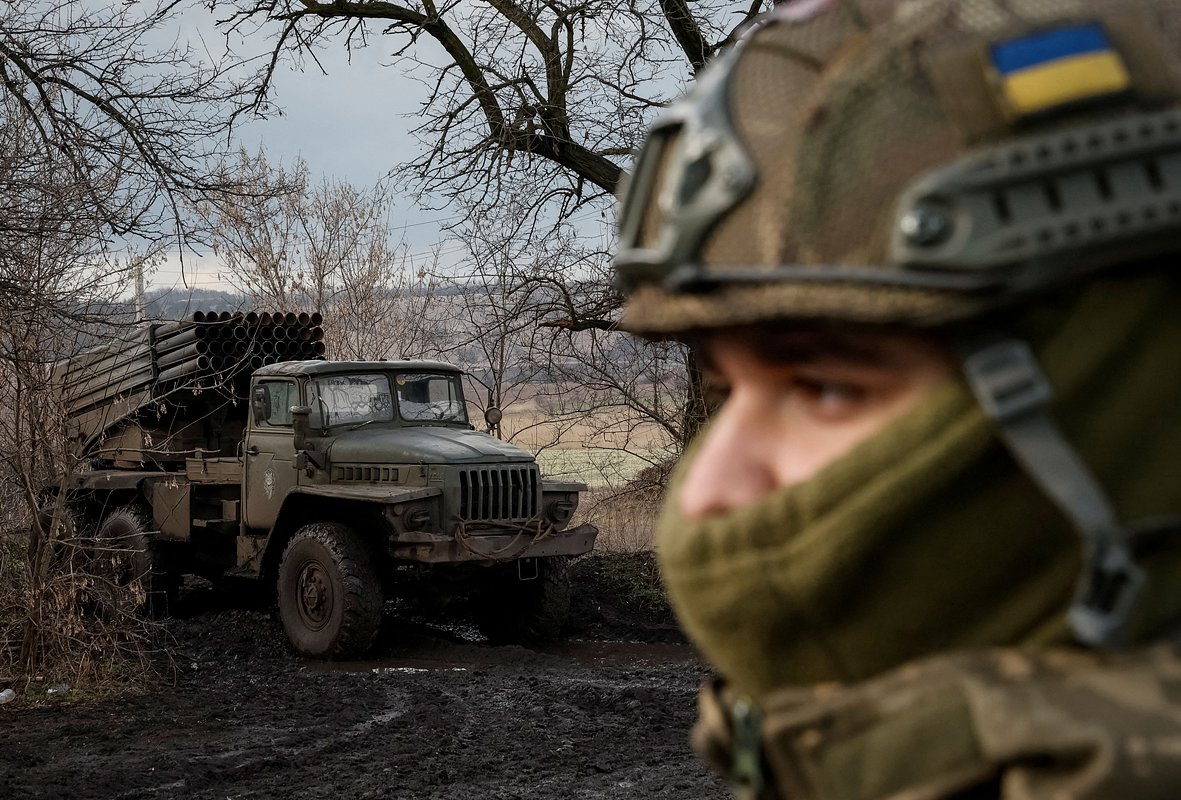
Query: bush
{"x": 626, "y": 516}
{"x": 62, "y": 621}
{"x": 623, "y": 587}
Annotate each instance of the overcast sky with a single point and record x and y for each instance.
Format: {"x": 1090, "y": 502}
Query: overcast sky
{"x": 351, "y": 123}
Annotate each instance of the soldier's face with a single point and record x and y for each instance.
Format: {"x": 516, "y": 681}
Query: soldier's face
{"x": 798, "y": 401}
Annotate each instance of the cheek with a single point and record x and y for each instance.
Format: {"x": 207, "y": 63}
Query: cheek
{"x": 805, "y": 445}
{"x": 769, "y": 436}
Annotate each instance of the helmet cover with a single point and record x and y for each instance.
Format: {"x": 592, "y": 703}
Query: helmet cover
{"x": 907, "y": 162}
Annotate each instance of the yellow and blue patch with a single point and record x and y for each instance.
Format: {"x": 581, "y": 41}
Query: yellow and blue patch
{"x": 1059, "y": 67}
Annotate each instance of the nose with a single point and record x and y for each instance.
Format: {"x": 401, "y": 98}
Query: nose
{"x": 734, "y": 466}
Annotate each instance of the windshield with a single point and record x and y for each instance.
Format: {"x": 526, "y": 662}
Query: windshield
{"x": 430, "y": 397}
{"x": 350, "y": 399}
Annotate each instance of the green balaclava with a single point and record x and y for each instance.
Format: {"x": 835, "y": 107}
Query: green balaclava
{"x": 928, "y": 536}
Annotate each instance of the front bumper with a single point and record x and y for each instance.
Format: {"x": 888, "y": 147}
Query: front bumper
{"x": 437, "y": 548}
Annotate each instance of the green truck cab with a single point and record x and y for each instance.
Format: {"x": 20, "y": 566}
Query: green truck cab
{"x": 330, "y": 482}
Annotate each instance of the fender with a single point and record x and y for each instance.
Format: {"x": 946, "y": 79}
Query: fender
{"x": 366, "y": 494}
{"x": 258, "y": 554}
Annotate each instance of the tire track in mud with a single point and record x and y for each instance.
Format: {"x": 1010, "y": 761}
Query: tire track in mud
{"x": 438, "y": 715}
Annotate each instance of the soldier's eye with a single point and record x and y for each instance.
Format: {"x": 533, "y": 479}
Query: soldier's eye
{"x": 831, "y": 399}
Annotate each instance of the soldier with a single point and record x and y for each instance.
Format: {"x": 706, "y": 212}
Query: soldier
{"x": 931, "y": 539}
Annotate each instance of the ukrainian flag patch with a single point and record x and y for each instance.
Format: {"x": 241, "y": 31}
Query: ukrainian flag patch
{"x": 1058, "y": 67}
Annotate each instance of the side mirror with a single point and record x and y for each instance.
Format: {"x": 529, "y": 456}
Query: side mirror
{"x": 493, "y": 415}
{"x": 301, "y": 425}
{"x": 260, "y": 404}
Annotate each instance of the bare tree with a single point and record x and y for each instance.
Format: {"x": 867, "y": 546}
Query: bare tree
{"x": 568, "y": 83}
{"x": 489, "y": 333}
{"x": 285, "y": 243}
{"x": 53, "y": 249}
{"x": 553, "y": 96}
{"x": 253, "y": 227}
{"x": 105, "y": 127}
{"x": 532, "y": 110}
{"x": 100, "y": 85}
{"x": 563, "y": 385}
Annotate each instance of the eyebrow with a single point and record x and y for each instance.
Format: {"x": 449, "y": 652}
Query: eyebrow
{"x": 810, "y": 347}
{"x": 806, "y": 348}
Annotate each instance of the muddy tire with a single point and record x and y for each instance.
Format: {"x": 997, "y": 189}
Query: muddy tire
{"x": 515, "y": 611}
{"x": 124, "y": 555}
{"x": 329, "y": 595}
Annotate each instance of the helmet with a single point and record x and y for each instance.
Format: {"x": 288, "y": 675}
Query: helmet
{"x": 907, "y": 161}
{"x": 919, "y": 163}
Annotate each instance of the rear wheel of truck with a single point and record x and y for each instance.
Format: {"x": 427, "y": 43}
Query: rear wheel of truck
{"x": 124, "y": 555}
{"x": 525, "y": 602}
{"x": 329, "y": 595}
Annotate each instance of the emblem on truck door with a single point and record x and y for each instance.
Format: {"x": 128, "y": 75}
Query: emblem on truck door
{"x": 268, "y": 483}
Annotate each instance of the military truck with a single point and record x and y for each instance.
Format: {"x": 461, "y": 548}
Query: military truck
{"x": 225, "y": 445}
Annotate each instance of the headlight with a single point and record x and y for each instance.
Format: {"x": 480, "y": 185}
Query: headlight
{"x": 412, "y": 516}
{"x": 560, "y": 509}
{"x": 418, "y": 519}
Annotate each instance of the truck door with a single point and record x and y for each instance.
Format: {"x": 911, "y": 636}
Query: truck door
{"x": 269, "y": 451}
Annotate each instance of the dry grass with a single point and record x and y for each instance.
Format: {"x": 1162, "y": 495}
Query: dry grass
{"x": 65, "y": 624}
{"x": 625, "y": 515}
{"x": 605, "y": 448}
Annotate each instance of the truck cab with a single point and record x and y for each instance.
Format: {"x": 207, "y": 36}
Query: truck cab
{"x": 395, "y": 437}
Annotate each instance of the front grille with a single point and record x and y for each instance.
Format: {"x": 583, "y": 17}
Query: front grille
{"x": 489, "y": 493}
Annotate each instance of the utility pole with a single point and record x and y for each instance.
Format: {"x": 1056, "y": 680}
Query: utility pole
{"x": 140, "y": 303}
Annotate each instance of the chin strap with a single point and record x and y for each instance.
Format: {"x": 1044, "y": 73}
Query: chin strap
{"x": 1010, "y": 386}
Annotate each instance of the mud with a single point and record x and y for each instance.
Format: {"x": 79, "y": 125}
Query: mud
{"x": 436, "y": 712}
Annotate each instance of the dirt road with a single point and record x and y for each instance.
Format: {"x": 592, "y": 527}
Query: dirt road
{"x": 437, "y": 713}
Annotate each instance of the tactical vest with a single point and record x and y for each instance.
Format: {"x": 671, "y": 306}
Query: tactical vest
{"x": 1004, "y": 724}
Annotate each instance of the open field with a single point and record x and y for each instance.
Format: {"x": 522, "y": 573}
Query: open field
{"x": 604, "y": 448}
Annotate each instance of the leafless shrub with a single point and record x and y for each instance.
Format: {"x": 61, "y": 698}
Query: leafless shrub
{"x": 67, "y": 615}
{"x": 285, "y": 242}
{"x": 626, "y": 513}
{"x": 70, "y": 612}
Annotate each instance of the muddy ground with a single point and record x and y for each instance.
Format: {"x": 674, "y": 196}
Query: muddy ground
{"x": 436, "y": 713}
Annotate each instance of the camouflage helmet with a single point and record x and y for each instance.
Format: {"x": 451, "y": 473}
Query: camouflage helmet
{"x": 907, "y": 161}
{"x": 923, "y": 162}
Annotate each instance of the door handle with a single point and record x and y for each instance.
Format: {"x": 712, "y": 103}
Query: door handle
{"x": 252, "y": 450}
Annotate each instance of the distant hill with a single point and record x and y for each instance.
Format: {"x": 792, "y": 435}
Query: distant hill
{"x": 181, "y": 303}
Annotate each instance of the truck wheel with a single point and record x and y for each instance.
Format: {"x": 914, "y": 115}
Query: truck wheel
{"x": 329, "y": 596}
{"x": 515, "y": 611}
{"x": 124, "y": 553}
